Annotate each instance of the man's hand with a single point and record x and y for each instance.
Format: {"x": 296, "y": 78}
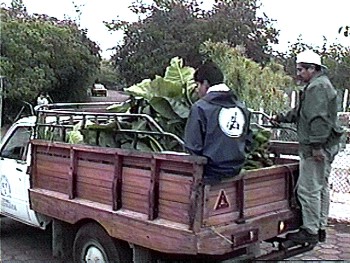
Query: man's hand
{"x": 318, "y": 154}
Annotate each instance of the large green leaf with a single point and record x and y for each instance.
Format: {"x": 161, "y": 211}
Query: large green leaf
{"x": 177, "y": 73}
{"x": 180, "y": 108}
{"x": 141, "y": 89}
{"x": 163, "y": 107}
{"x": 165, "y": 88}
{"x": 169, "y": 108}
{"x": 156, "y": 87}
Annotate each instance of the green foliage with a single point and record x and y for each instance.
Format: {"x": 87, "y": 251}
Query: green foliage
{"x": 169, "y": 97}
{"x": 108, "y": 75}
{"x": 177, "y": 28}
{"x": 259, "y": 87}
{"x": 75, "y": 136}
{"x": 166, "y": 99}
{"x": 41, "y": 53}
{"x": 259, "y": 156}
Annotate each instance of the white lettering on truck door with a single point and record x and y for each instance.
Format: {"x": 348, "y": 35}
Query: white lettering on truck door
{"x": 14, "y": 182}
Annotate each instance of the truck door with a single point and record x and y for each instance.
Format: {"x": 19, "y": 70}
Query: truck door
{"x": 14, "y": 180}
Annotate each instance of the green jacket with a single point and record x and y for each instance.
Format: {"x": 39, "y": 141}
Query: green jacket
{"x": 316, "y": 114}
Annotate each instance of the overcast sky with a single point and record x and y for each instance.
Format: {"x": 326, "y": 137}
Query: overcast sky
{"x": 312, "y": 19}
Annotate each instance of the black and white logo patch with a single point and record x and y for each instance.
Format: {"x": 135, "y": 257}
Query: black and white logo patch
{"x": 232, "y": 121}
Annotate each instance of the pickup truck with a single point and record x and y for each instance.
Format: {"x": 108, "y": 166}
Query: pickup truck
{"x": 126, "y": 205}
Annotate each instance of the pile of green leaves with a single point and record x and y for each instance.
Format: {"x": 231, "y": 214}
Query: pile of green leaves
{"x": 167, "y": 99}
{"x": 259, "y": 155}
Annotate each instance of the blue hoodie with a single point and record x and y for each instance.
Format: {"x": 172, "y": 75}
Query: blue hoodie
{"x": 218, "y": 128}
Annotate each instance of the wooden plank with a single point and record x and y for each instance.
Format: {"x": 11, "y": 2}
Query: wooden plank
{"x": 264, "y": 181}
{"x": 132, "y": 157}
{"x": 142, "y": 189}
{"x": 99, "y": 171}
{"x": 278, "y": 190}
{"x": 54, "y": 167}
{"x": 196, "y": 198}
{"x": 51, "y": 183}
{"x": 52, "y": 159}
{"x": 120, "y": 224}
{"x": 72, "y": 174}
{"x": 136, "y": 176}
{"x": 167, "y": 176}
{"x": 90, "y": 157}
{"x": 50, "y": 148}
{"x": 137, "y": 162}
{"x": 169, "y": 196}
{"x": 177, "y": 167}
{"x": 174, "y": 212}
{"x": 44, "y": 172}
{"x": 206, "y": 208}
{"x": 218, "y": 240}
{"x": 153, "y": 193}
{"x": 219, "y": 219}
{"x": 222, "y": 185}
{"x": 174, "y": 187}
{"x": 267, "y": 208}
{"x": 264, "y": 196}
{"x": 117, "y": 183}
{"x": 210, "y": 242}
{"x": 95, "y": 164}
{"x": 96, "y": 182}
{"x": 135, "y": 202}
{"x": 269, "y": 171}
{"x": 183, "y": 159}
{"x": 240, "y": 197}
{"x": 94, "y": 193}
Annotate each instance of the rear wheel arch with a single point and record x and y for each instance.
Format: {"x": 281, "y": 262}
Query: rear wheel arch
{"x": 92, "y": 240}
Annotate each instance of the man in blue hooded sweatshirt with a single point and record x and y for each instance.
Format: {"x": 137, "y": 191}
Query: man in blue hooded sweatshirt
{"x": 218, "y": 126}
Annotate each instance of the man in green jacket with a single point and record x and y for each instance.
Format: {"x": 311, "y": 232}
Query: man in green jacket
{"x": 318, "y": 135}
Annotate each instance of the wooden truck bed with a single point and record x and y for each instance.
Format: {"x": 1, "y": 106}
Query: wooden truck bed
{"x": 159, "y": 201}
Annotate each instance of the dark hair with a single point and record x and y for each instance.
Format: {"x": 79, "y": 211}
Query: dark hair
{"x": 308, "y": 65}
{"x": 210, "y": 72}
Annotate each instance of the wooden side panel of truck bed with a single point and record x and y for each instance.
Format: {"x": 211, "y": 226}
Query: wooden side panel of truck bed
{"x": 159, "y": 201}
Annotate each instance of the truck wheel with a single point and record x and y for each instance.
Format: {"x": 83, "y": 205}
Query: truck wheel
{"x": 93, "y": 244}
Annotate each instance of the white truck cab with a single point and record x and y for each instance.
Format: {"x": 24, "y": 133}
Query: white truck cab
{"x": 14, "y": 178}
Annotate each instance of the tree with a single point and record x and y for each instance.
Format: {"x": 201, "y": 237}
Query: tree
{"x": 108, "y": 75}
{"x": 258, "y": 86}
{"x": 41, "y": 53}
{"x": 171, "y": 28}
{"x": 345, "y": 30}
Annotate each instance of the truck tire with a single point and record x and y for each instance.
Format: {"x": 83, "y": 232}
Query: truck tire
{"x": 93, "y": 244}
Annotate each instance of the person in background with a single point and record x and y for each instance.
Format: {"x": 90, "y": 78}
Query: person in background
{"x": 318, "y": 136}
{"x": 217, "y": 126}
{"x": 42, "y": 99}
